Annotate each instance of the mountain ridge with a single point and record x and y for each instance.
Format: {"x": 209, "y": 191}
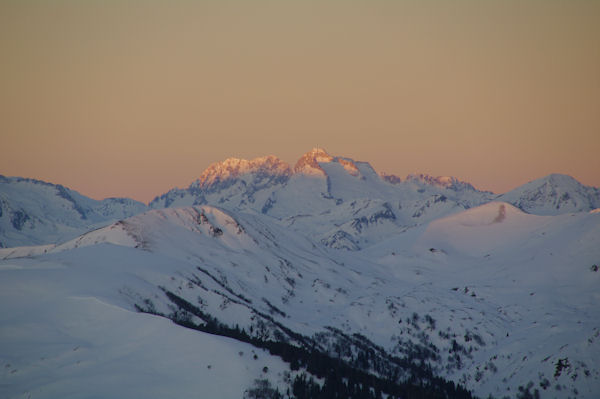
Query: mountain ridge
{"x": 37, "y": 212}
{"x": 344, "y": 197}
{"x": 308, "y": 164}
{"x": 311, "y": 164}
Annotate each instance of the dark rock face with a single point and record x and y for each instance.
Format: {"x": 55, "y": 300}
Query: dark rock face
{"x": 18, "y": 219}
{"x": 341, "y": 240}
{"x": 63, "y": 193}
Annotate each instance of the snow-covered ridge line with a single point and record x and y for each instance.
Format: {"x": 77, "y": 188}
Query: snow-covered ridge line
{"x": 235, "y": 167}
{"x": 37, "y": 212}
{"x": 320, "y": 185}
{"x": 316, "y": 175}
{"x": 307, "y": 164}
{"x": 271, "y": 171}
{"x": 552, "y": 194}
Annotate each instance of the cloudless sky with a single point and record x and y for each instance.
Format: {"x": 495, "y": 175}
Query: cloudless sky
{"x": 131, "y": 98}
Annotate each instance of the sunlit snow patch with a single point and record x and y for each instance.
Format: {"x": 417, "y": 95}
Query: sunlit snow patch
{"x": 479, "y": 231}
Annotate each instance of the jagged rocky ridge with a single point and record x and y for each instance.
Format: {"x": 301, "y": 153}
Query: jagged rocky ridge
{"x": 346, "y": 203}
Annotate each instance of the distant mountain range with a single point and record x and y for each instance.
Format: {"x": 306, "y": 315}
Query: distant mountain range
{"x": 347, "y": 202}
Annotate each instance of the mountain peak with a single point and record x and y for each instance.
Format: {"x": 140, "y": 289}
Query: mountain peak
{"x": 309, "y": 162}
{"x": 558, "y": 178}
{"x": 232, "y": 168}
{"x": 553, "y": 194}
{"x": 552, "y": 181}
{"x": 318, "y": 152}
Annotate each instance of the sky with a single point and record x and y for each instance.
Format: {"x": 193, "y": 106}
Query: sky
{"x": 132, "y": 98}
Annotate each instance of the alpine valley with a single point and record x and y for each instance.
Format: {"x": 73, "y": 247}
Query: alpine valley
{"x": 321, "y": 280}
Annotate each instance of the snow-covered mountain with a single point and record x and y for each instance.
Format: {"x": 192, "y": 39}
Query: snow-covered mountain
{"x": 68, "y": 331}
{"x": 552, "y": 195}
{"x": 35, "y": 212}
{"x": 319, "y": 181}
{"x": 491, "y": 298}
{"x": 307, "y": 280}
{"x": 345, "y": 203}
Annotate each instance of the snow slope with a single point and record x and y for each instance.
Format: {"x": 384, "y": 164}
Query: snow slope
{"x": 67, "y": 332}
{"x": 491, "y": 227}
{"x": 491, "y": 297}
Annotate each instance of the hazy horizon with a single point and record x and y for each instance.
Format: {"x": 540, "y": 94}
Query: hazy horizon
{"x": 134, "y": 98}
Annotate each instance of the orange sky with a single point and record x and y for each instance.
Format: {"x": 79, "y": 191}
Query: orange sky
{"x": 131, "y": 98}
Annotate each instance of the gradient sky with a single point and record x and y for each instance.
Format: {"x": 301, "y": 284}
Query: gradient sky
{"x": 132, "y": 98}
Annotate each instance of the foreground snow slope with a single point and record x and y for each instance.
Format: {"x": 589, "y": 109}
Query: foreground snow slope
{"x": 491, "y": 297}
{"x": 66, "y": 331}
